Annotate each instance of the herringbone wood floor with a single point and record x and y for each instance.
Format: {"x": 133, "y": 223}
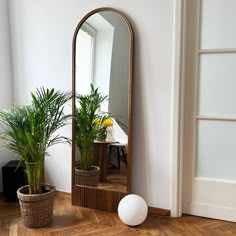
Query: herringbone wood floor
{"x": 71, "y": 221}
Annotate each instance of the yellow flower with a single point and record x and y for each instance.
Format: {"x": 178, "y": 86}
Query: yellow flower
{"x": 104, "y": 123}
{"x": 98, "y": 121}
{"x": 107, "y": 122}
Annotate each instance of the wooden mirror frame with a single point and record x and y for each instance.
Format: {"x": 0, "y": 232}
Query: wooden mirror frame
{"x": 85, "y": 196}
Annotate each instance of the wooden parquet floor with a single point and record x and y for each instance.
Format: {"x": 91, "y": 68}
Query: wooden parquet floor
{"x": 72, "y": 221}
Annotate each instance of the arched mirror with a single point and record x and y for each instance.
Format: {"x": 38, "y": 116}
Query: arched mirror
{"x": 101, "y": 129}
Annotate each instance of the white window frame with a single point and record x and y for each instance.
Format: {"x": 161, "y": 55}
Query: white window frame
{"x": 92, "y": 32}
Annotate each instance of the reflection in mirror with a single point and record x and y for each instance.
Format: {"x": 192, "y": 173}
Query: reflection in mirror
{"x": 102, "y": 60}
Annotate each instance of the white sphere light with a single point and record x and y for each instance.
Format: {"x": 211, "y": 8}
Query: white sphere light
{"x": 132, "y": 210}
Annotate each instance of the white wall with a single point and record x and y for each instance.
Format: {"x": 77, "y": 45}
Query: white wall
{"x": 5, "y": 75}
{"x": 42, "y": 35}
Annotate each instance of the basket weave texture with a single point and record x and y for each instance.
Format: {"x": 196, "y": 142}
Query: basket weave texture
{"x": 36, "y": 209}
{"x": 87, "y": 177}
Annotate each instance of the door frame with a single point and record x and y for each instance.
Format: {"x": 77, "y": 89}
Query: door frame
{"x": 180, "y": 37}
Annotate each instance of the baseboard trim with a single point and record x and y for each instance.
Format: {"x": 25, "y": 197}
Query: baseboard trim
{"x": 151, "y": 210}
{"x": 158, "y": 211}
{"x": 210, "y": 211}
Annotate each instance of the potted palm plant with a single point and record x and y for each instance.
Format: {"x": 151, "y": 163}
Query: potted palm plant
{"x": 29, "y": 131}
{"x": 88, "y": 126}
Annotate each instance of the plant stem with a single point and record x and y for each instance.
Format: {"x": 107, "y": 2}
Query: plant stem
{"x": 35, "y": 177}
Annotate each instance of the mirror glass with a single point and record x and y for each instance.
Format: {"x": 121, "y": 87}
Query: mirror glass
{"x": 103, "y": 59}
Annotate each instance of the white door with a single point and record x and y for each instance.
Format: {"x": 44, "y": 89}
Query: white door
{"x": 209, "y": 179}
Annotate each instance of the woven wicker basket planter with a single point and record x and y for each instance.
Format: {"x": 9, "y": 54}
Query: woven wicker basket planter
{"x": 87, "y": 177}
{"x": 36, "y": 209}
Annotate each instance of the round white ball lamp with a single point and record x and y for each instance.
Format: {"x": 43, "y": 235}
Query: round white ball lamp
{"x": 132, "y": 210}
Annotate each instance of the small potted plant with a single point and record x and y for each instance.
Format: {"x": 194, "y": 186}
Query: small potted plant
{"x": 29, "y": 131}
{"x": 89, "y": 125}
